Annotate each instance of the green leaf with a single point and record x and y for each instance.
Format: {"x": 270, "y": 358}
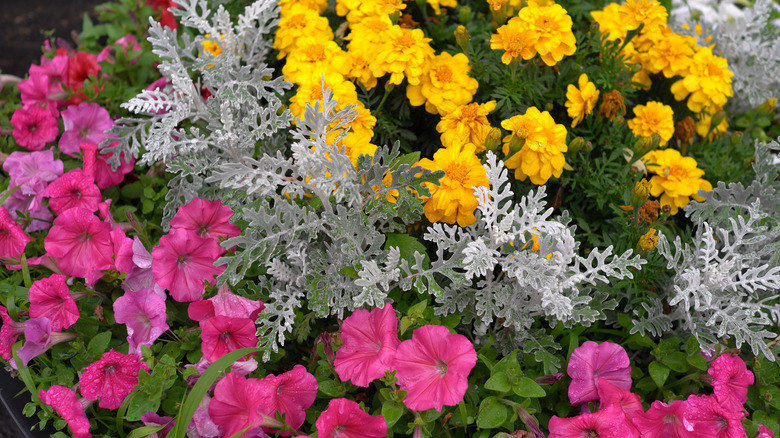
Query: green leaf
{"x": 492, "y": 413}
{"x": 392, "y": 412}
{"x": 141, "y": 404}
{"x": 407, "y": 245}
{"x": 677, "y": 361}
{"x": 98, "y": 344}
{"x": 331, "y": 388}
{"x": 697, "y": 361}
{"x": 498, "y": 382}
{"x": 349, "y": 271}
{"x": 659, "y": 373}
{"x": 144, "y": 431}
{"x": 528, "y": 388}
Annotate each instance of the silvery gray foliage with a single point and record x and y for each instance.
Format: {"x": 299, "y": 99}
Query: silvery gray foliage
{"x": 198, "y": 138}
{"x": 514, "y": 284}
{"x": 727, "y": 281}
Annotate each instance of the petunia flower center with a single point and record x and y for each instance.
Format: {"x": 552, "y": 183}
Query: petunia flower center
{"x": 109, "y": 369}
{"x": 590, "y": 433}
{"x": 203, "y": 230}
{"x": 224, "y": 336}
{"x": 670, "y": 419}
{"x": 84, "y": 236}
{"x": 441, "y": 367}
{"x": 83, "y": 132}
{"x": 32, "y": 128}
{"x": 182, "y": 259}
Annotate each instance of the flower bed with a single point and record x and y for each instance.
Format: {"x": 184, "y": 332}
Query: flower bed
{"x": 378, "y": 218}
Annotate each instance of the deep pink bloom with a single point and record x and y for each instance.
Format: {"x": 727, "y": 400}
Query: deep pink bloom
{"x": 34, "y": 126}
{"x": 39, "y": 337}
{"x": 222, "y": 334}
{"x": 74, "y": 189}
{"x": 225, "y": 303}
{"x": 66, "y": 403}
{"x": 665, "y": 421}
{"x": 730, "y": 379}
{"x": 609, "y": 422}
{"x": 236, "y": 404}
{"x": 111, "y": 378}
{"x": 13, "y": 239}
{"x": 51, "y": 298}
{"x": 764, "y": 432}
{"x": 31, "y": 168}
{"x": 126, "y": 43}
{"x": 82, "y": 244}
{"x": 57, "y": 71}
{"x": 152, "y": 419}
{"x": 144, "y": 314}
{"x": 290, "y": 393}
{"x": 84, "y": 123}
{"x": 183, "y": 261}
{"x": 345, "y": 419}
{"x": 9, "y": 333}
{"x": 433, "y": 367}
{"x": 36, "y": 89}
{"x": 369, "y": 342}
{"x": 628, "y": 402}
{"x": 97, "y": 168}
{"x": 712, "y": 420}
{"x": 206, "y": 219}
{"x": 590, "y": 361}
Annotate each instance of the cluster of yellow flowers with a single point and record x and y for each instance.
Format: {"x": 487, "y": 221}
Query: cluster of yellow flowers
{"x": 545, "y": 30}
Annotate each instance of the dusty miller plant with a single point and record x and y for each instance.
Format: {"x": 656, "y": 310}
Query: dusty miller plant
{"x": 726, "y": 282}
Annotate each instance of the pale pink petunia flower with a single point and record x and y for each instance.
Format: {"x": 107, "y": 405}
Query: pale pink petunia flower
{"x": 183, "y": 262}
{"x": 111, "y": 378}
{"x": 344, "y": 419}
{"x": 730, "y": 379}
{"x": 31, "y": 168}
{"x": 50, "y": 297}
{"x": 206, "y": 219}
{"x": 39, "y": 337}
{"x": 81, "y": 243}
{"x": 84, "y": 123}
{"x": 222, "y": 334}
{"x": 664, "y": 420}
{"x": 34, "y": 126}
{"x": 73, "y": 189}
{"x": 13, "y": 239}
{"x": 65, "y": 402}
{"x": 236, "y": 404}
{"x": 712, "y": 420}
{"x": 591, "y": 361}
{"x": 9, "y": 333}
{"x": 152, "y": 419}
{"x": 143, "y": 312}
{"x": 433, "y": 367}
{"x": 225, "y": 303}
{"x": 290, "y": 393}
{"x": 369, "y": 343}
{"x": 133, "y": 259}
{"x": 201, "y": 425}
{"x": 608, "y": 422}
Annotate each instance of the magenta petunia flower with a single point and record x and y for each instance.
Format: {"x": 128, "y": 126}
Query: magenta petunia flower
{"x": 81, "y": 243}
{"x": 591, "y": 361}
{"x": 183, "y": 261}
{"x": 144, "y": 314}
{"x": 345, "y": 419}
{"x": 39, "y": 337}
{"x": 225, "y": 303}
{"x": 665, "y": 421}
{"x": 608, "y": 422}
{"x": 236, "y": 404}
{"x": 369, "y": 343}
{"x": 36, "y": 89}
{"x": 152, "y": 419}
{"x": 51, "y": 298}
{"x": 206, "y": 219}
{"x": 66, "y": 403}
{"x": 9, "y": 333}
{"x": 31, "y": 168}
{"x": 13, "y": 239}
{"x": 84, "y": 123}
{"x": 433, "y": 367}
{"x": 74, "y": 189}
{"x": 222, "y": 334}
{"x": 730, "y": 379}
{"x": 764, "y": 432}
{"x": 57, "y": 71}
{"x": 290, "y": 393}
{"x": 712, "y": 420}
{"x": 126, "y": 43}
{"x": 34, "y": 126}
{"x": 628, "y": 402}
{"x": 111, "y": 378}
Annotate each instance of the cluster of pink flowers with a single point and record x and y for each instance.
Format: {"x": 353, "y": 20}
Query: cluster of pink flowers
{"x": 602, "y": 373}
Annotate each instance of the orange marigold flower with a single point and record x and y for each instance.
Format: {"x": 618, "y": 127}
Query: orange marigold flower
{"x": 543, "y": 144}
{"x": 404, "y": 53}
{"x": 676, "y": 179}
{"x": 446, "y": 84}
{"x": 671, "y": 53}
{"x": 649, "y": 240}
{"x": 466, "y": 124}
{"x": 581, "y": 101}
{"x": 515, "y": 40}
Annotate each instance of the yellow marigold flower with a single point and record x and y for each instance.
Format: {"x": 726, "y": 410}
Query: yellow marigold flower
{"x": 704, "y": 123}
{"x": 299, "y": 21}
{"x": 653, "y": 118}
{"x": 552, "y": 27}
{"x": 361, "y": 56}
{"x": 651, "y": 13}
{"x": 344, "y": 93}
{"x": 610, "y": 22}
{"x": 707, "y": 83}
{"x": 581, "y": 101}
{"x": 670, "y": 54}
{"x": 446, "y": 84}
{"x": 453, "y": 200}
{"x": 515, "y": 40}
{"x": 356, "y": 10}
{"x": 356, "y": 144}
{"x": 211, "y": 45}
{"x": 466, "y": 124}
{"x": 316, "y": 5}
{"x": 649, "y": 240}
{"x": 496, "y": 5}
{"x": 312, "y": 59}
{"x": 368, "y": 31}
{"x": 404, "y": 53}
{"x": 543, "y": 144}
{"x": 676, "y": 178}
{"x": 437, "y": 4}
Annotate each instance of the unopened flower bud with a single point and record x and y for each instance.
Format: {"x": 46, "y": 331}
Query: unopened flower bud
{"x": 767, "y": 107}
{"x": 588, "y": 146}
{"x": 640, "y": 192}
{"x": 464, "y": 14}
{"x": 576, "y": 145}
{"x": 548, "y": 106}
{"x": 643, "y": 145}
{"x": 462, "y": 37}
{"x": 389, "y": 87}
{"x": 515, "y": 144}
{"x": 493, "y": 139}
{"x": 549, "y": 379}
{"x": 717, "y": 119}
{"x": 736, "y": 137}
{"x": 666, "y": 209}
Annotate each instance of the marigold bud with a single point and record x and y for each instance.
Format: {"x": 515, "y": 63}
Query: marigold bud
{"x": 767, "y": 107}
{"x": 464, "y": 14}
{"x": 462, "y": 37}
{"x": 576, "y": 144}
{"x": 685, "y": 130}
{"x": 515, "y": 144}
{"x": 644, "y": 145}
{"x": 493, "y": 139}
{"x": 736, "y": 137}
{"x": 649, "y": 240}
{"x": 548, "y": 106}
{"x": 612, "y": 105}
{"x": 640, "y": 192}
{"x": 717, "y": 119}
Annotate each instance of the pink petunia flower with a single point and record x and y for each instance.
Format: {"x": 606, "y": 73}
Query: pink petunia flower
{"x": 36, "y": 89}
{"x": 206, "y": 219}
{"x": 225, "y": 303}
{"x": 9, "y": 333}
{"x": 144, "y": 314}
{"x": 590, "y": 361}
{"x": 608, "y": 422}
{"x": 222, "y": 334}
{"x": 201, "y": 425}
{"x": 84, "y": 123}
{"x": 433, "y": 367}
{"x": 133, "y": 259}
{"x": 712, "y": 420}
{"x": 764, "y": 432}
{"x": 66, "y": 403}
{"x": 57, "y": 71}
{"x": 183, "y": 261}
{"x": 152, "y": 419}
{"x": 82, "y": 244}
{"x": 628, "y": 402}
{"x": 74, "y": 189}
{"x": 665, "y": 421}
{"x": 730, "y": 379}
{"x": 369, "y": 343}
{"x": 13, "y": 239}
{"x": 290, "y": 393}
{"x": 35, "y": 126}
{"x": 236, "y": 404}
{"x": 97, "y": 168}
{"x": 111, "y": 378}
{"x": 31, "y": 168}
{"x": 51, "y": 298}
{"x": 28, "y": 200}
{"x": 345, "y": 419}
{"x": 39, "y": 337}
